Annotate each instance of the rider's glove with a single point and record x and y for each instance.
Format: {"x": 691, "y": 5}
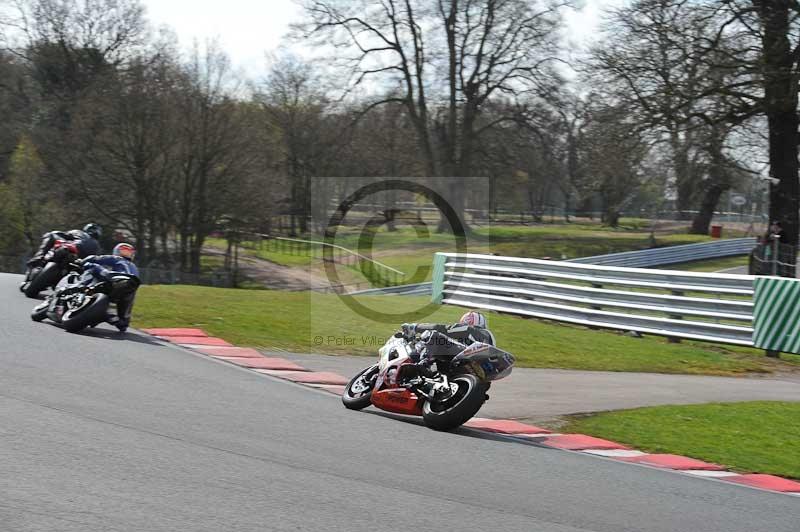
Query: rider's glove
{"x": 409, "y": 329}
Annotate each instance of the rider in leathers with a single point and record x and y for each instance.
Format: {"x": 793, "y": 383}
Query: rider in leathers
{"x": 85, "y": 241}
{"x": 441, "y": 339}
{"x": 101, "y": 268}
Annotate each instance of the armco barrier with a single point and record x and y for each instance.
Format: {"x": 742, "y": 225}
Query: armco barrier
{"x": 643, "y": 258}
{"x": 698, "y": 306}
{"x": 648, "y": 258}
{"x": 403, "y": 289}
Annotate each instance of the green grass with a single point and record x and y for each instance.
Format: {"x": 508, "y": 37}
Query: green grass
{"x": 250, "y": 248}
{"x": 291, "y": 321}
{"x": 762, "y": 436}
{"x": 554, "y": 240}
{"x": 710, "y": 265}
{"x": 406, "y": 251}
{"x": 211, "y": 263}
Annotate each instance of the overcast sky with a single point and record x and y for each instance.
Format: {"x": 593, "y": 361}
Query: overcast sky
{"x": 247, "y": 28}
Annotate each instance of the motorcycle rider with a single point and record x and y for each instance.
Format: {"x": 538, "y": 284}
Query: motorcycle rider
{"x": 85, "y": 240}
{"x": 102, "y": 267}
{"x": 442, "y": 339}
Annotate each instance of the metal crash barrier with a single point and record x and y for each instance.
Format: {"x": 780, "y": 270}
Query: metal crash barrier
{"x": 648, "y": 258}
{"x": 643, "y": 258}
{"x": 697, "y": 306}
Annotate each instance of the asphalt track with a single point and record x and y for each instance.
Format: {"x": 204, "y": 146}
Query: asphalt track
{"x": 541, "y": 395}
{"x": 99, "y": 433}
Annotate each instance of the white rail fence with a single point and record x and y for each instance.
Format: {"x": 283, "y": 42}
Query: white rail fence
{"x": 697, "y": 306}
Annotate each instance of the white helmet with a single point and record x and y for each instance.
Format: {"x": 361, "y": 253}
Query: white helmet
{"x": 473, "y": 319}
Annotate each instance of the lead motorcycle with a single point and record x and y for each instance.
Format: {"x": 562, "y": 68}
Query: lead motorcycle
{"x": 77, "y": 307}
{"x": 447, "y": 395}
{"x": 56, "y": 265}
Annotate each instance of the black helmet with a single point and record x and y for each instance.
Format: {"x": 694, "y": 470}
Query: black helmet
{"x": 93, "y": 230}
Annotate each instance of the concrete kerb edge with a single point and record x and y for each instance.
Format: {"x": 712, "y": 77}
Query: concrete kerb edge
{"x": 194, "y": 352}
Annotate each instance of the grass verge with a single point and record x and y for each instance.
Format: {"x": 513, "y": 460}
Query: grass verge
{"x": 412, "y": 254}
{"x": 760, "y": 436}
{"x": 322, "y": 323}
{"x": 710, "y": 265}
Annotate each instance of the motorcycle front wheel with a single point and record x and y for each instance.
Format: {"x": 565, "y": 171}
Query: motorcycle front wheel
{"x": 357, "y": 394}
{"x": 39, "y": 312}
{"x": 91, "y": 313}
{"x": 457, "y": 409}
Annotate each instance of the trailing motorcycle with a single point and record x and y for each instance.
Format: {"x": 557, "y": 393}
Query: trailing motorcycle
{"x": 447, "y": 394}
{"x": 77, "y": 307}
{"x": 56, "y": 266}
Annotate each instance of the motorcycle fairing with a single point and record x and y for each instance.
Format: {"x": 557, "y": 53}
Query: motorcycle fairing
{"x": 486, "y": 361}
{"x": 388, "y": 394}
{"x": 397, "y": 400}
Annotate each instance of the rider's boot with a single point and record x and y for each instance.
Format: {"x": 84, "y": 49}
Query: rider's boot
{"x": 114, "y": 320}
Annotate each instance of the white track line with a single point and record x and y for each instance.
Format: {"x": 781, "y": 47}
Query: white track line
{"x": 614, "y": 453}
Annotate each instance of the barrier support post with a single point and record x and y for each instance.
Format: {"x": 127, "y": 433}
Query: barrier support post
{"x": 674, "y": 339}
{"x": 595, "y": 307}
{"x": 437, "y": 277}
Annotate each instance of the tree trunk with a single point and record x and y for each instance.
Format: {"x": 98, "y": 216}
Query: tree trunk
{"x": 611, "y": 217}
{"x": 196, "y": 252}
{"x": 684, "y": 178}
{"x": 141, "y": 232}
{"x": 702, "y": 220}
{"x": 165, "y": 244}
{"x": 152, "y": 239}
{"x": 780, "y": 96}
{"x": 183, "y": 251}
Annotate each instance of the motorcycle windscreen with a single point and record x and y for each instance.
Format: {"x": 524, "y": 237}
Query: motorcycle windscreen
{"x": 486, "y": 361}
{"x": 66, "y": 281}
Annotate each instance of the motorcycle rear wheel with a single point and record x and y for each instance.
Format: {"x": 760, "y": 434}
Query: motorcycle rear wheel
{"x": 88, "y": 315}
{"x": 458, "y": 409}
{"x": 360, "y": 399}
{"x": 47, "y": 276}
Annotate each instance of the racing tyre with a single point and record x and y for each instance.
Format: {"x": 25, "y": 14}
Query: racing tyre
{"x": 458, "y": 408}
{"x": 47, "y": 276}
{"x": 91, "y": 313}
{"x": 357, "y": 394}
{"x": 39, "y": 312}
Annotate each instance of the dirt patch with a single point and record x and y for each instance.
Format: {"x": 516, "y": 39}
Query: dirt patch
{"x": 276, "y": 276}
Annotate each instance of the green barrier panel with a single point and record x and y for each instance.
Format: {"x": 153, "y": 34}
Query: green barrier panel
{"x": 776, "y": 310}
{"x": 438, "y": 277}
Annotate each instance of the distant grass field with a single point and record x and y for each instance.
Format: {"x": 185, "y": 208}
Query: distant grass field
{"x": 312, "y": 322}
{"x": 249, "y": 248}
{"x": 762, "y": 436}
{"x": 412, "y": 254}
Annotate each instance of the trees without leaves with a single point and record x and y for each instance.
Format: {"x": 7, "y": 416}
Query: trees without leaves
{"x": 444, "y": 62}
{"x": 659, "y": 61}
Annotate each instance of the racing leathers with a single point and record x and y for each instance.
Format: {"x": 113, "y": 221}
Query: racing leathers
{"x": 445, "y": 340}
{"x": 85, "y": 244}
{"x": 102, "y": 268}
